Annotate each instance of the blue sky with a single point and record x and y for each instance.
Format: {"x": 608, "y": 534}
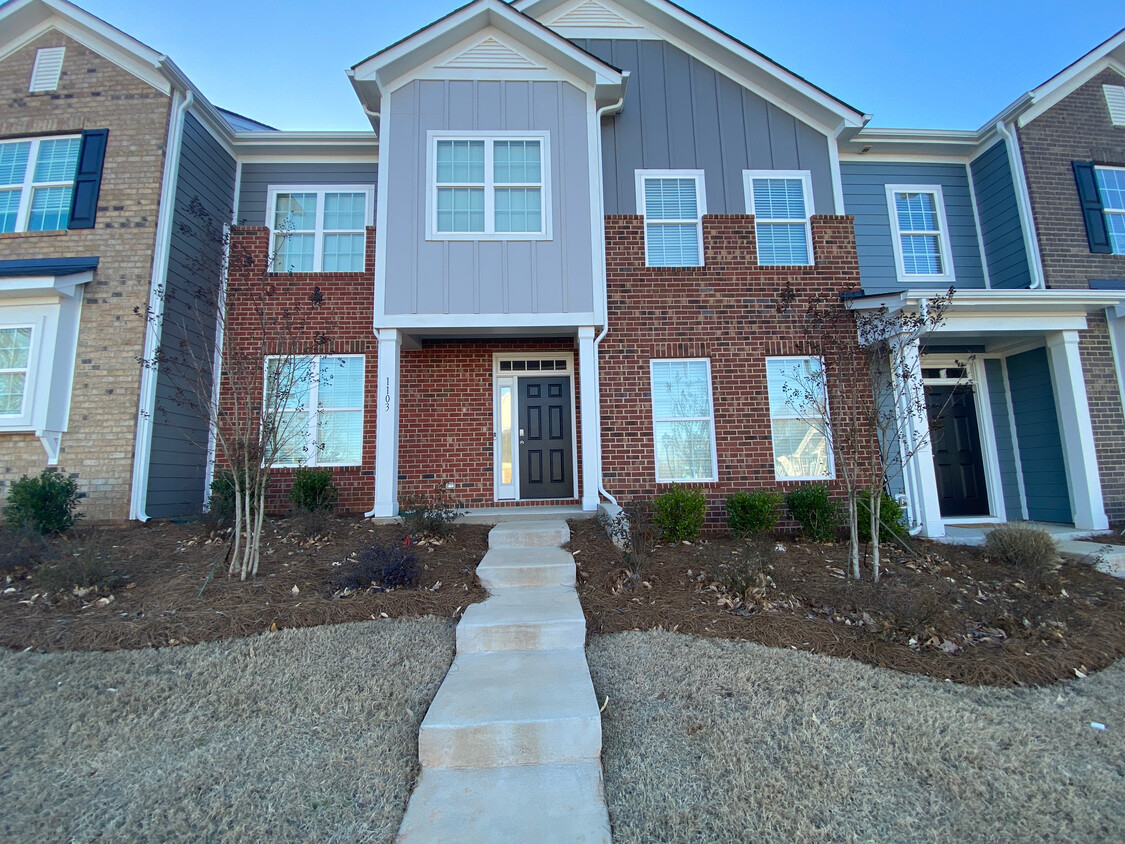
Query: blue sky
{"x": 919, "y": 65}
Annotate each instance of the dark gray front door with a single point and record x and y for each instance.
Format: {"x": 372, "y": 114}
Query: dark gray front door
{"x": 546, "y": 447}
{"x": 958, "y": 461}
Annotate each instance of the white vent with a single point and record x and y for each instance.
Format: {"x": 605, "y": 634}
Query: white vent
{"x": 593, "y": 14}
{"x": 1115, "y": 99}
{"x": 48, "y": 68}
{"x": 491, "y": 53}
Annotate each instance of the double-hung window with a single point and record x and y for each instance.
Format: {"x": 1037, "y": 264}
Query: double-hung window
{"x": 15, "y": 366}
{"x": 1111, "y": 189}
{"x": 673, "y": 203}
{"x": 489, "y": 186}
{"x": 781, "y": 202}
{"x": 317, "y": 407}
{"x": 920, "y": 233}
{"x": 37, "y": 183}
{"x": 319, "y": 228}
{"x": 798, "y": 400}
{"x": 683, "y": 420}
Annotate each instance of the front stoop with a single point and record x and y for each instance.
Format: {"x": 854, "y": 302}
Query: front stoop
{"x": 511, "y": 745}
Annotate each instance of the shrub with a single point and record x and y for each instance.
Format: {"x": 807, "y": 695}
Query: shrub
{"x": 753, "y": 513}
{"x": 428, "y": 515}
{"x": 634, "y": 531}
{"x": 814, "y": 511}
{"x": 223, "y": 501}
{"x": 1032, "y": 550}
{"x": 679, "y": 513}
{"x": 746, "y": 572}
{"x": 313, "y": 489}
{"x": 892, "y": 517}
{"x": 46, "y": 503}
{"x": 388, "y": 566}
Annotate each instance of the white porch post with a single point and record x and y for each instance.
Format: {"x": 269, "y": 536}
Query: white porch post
{"x": 1077, "y": 432}
{"x": 588, "y": 387}
{"x": 386, "y": 425}
{"x": 920, "y": 477}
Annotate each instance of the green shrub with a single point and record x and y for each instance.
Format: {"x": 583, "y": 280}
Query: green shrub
{"x": 313, "y": 489}
{"x": 428, "y": 515}
{"x": 1032, "y": 550}
{"x": 223, "y": 501}
{"x": 679, "y": 513}
{"x": 814, "y": 511}
{"x": 753, "y": 513}
{"x": 892, "y": 517}
{"x": 46, "y": 503}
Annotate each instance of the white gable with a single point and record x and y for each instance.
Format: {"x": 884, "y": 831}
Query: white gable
{"x": 595, "y": 19}
{"x": 491, "y": 53}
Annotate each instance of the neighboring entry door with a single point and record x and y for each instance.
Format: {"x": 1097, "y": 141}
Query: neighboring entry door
{"x": 955, "y": 439}
{"x": 546, "y": 456}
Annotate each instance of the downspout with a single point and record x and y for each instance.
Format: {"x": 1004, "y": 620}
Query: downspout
{"x": 609, "y": 109}
{"x": 142, "y": 450}
{"x": 1023, "y": 205}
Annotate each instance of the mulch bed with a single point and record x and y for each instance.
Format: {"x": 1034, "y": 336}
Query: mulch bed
{"x": 949, "y": 612}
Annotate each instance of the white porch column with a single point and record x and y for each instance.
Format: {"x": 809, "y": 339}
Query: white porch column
{"x": 919, "y": 474}
{"x": 588, "y": 388}
{"x": 1077, "y": 433}
{"x": 386, "y": 424}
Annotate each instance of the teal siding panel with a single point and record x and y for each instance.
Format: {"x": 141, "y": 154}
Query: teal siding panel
{"x": 1037, "y": 427}
{"x": 1002, "y": 427}
{"x": 256, "y": 179}
{"x": 1000, "y": 227}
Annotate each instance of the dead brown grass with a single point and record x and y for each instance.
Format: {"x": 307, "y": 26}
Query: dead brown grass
{"x": 709, "y": 740}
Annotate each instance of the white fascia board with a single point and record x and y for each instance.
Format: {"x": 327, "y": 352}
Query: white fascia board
{"x": 256, "y": 146}
{"x": 474, "y": 323}
{"x": 914, "y": 145}
{"x": 47, "y": 287}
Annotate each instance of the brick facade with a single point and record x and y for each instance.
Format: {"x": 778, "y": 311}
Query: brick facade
{"x": 1049, "y": 144}
{"x": 94, "y": 93}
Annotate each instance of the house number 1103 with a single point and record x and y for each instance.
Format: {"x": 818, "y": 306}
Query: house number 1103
{"x": 387, "y": 398}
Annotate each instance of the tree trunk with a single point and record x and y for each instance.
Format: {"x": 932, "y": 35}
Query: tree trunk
{"x": 853, "y": 532}
{"x": 876, "y": 511}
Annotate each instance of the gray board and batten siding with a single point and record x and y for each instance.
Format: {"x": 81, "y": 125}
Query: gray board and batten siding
{"x": 865, "y": 197}
{"x": 177, "y": 462}
{"x": 681, "y": 114}
{"x": 257, "y": 178}
{"x": 1000, "y": 228}
{"x": 466, "y": 277}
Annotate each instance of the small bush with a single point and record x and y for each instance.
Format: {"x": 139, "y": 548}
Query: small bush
{"x": 892, "y": 518}
{"x": 634, "y": 531}
{"x": 746, "y": 572}
{"x": 679, "y": 513}
{"x": 428, "y": 515}
{"x": 46, "y": 503}
{"x": 223, "y": 501}
{"x": 313, "y": 489}
{"x": 1032, "y": 550}
{"x": 753, "y": 513}
{"x": 385, "y": 566}
{"x": 814, "y": 511}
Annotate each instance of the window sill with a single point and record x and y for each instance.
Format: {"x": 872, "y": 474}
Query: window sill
{"x": 51, "y": 233}
{"x": 473, "y": 237}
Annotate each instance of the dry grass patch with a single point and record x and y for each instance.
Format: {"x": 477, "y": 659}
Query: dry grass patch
{"x": 709, "y": 740}
{"x": 302, "y": 735}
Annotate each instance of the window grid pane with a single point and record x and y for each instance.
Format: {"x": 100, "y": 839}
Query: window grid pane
{"x": 50, "y": 209}
{"x": 518, "y": 210}
{"x": 15, "y": 348}
{"x": 11, "y": 393}
{"x": 339, "y": 437}
{"x": 341, "y": 383}
{"x": 1116, "y": 225}
{"x": 516, "y": 162}
{"x": 57, "y": 160}
{"x": 13, "y": 162}
{"x": 779, "y": 199}
{"x": 295, "y": 254}
{"x": 683, "y": 451}
{"x": 460, "y": 162}
{"x": 673, "y": 244}
{"x": 670, "y": 199}
{"x": 782, "y": 243}
{"x": 921, "y": 254}
{"x": 343, "y": 253}
{"x": 295, "y": 212}
{"x": 344, "y": 211}
{"x": 9, "y": 209}
{"x": 1111, "y": 188}
{"x": 460, "y": 210}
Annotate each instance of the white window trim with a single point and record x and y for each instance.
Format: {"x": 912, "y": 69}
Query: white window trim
{"x": 700, "y": 204}
{"x": 489, "y": 233}
{"x": 943, "y": 234}
{"x": 28, "y": 186}
{"x": 748, "y": 177}
{"x": 318, "y": 234}
{"x": 831, "y": 475}
{"x": 312, "y": 446}
{"x": 710, "y": 419}
{"x": 1106, "y": 210}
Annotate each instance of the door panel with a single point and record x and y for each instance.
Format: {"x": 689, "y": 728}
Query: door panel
{"x": 958, "y": 460}
{"x": 545, "y": 442}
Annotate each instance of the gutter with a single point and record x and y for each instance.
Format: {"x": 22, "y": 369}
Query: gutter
{"x": 1023, "y": 205}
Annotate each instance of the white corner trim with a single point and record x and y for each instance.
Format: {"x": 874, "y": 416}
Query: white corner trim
{"x": 948, "y": 275}
{"x": 1023, "y": 204}
{"x": 976, "y": 225}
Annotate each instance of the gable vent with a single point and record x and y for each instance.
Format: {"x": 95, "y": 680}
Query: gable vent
{"x": 491, "y": 53}
{"x": 48, "y": 68}
{"x": 1115, "y": 99}
{"x": 592, "y": 13}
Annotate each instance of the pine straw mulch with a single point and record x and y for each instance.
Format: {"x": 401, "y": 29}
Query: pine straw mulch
{"x": 165, "y": 583}
{"x": 949, "y": 613}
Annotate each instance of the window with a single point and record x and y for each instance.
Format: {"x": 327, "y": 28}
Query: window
{"x": 781, "y": 202}
{"x": 683, "y": 420}
{"x": 673, "y": 204}
{"x": 37, "y": 183}
{"x": 488, "y": 187}
{"x": 797, "y": 394}
{"x": 920, "y": 232}
{"x": 320, "y": 404}
{"x": 15, "y": 362}
{"x": 1111, "y": 189}
{"x": 319, "y": 229}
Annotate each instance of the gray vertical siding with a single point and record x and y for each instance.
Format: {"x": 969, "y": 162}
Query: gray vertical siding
{"x": 865, "y": 196}
{"x": 1002, "y": 427}
{"x": 500, "y": 276}
{"x": 1000, "y": 227}
{"x": 256, "y": 179}
{"x": 680, "y": 114}
{"x": 1037, "y": 426}
{"x": 177, "y": 463}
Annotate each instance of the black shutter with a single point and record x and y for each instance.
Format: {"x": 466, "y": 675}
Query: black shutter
{"x": 1092, "y": 213}
{"x": 88, "y": 179}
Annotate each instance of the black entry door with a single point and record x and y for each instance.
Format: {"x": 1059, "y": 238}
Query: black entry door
{"x": 958, "y": 462}
{"x": 544, "y": 437}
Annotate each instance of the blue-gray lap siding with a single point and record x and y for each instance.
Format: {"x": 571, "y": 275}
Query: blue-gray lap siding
{"x": 681, "y": 114}
{"x": 177, "y": 464}
{"x": 865, "y": 197}
{"x": 257, "y": 178}
{"x": 1000, "y": 228}
{"x": 1002, "y": 429}
{"x": 1037, "y": 427}
{"x": 489, "y": 276}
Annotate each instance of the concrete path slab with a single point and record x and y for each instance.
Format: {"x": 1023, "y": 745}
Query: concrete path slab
{"x": 1108, "y": 558}
{"x": 529, "y": 534}
{"x": 506, "y": 568}
{"x": 547, "y": 618}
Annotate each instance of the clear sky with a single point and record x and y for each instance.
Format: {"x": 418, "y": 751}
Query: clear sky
{"x": 951, "y": 65}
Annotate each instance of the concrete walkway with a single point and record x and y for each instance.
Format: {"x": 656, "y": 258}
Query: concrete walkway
{"x": 511, "y": 745}
{"x": 1074, "y": 544}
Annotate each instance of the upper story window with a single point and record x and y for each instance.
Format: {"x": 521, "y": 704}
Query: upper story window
{"x": 673, "y": 203}
{"x": 781, "y": 202}
{"x": 1111, "y": 189}
{"x": 488, "y": 186}
{"x": 37, "y": 183}
{"x": 319, "y": 228}
{"x": 920, "y": 233}
{"x": 683, "y": 420}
